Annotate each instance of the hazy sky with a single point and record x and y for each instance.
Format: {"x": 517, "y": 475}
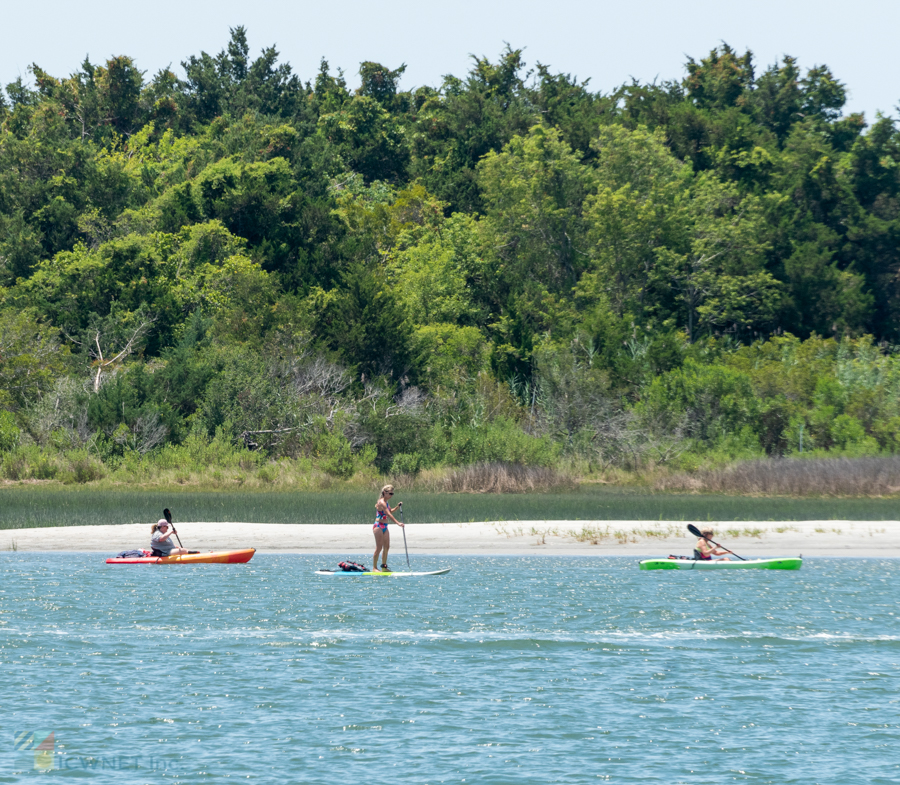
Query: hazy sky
{"x": 609, "y": 42}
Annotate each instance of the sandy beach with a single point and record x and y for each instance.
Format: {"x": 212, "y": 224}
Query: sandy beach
{"x": 577, "y": 538}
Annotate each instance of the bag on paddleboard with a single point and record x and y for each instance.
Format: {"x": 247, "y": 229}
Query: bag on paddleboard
{"x": 351, "y": 566}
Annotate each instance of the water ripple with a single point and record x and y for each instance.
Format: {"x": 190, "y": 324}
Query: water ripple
{"x": 507, "y": 670}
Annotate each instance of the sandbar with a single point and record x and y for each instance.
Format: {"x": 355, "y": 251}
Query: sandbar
{"x": 553, "y": 538}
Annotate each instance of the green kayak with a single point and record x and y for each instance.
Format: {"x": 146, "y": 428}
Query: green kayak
{"x": 719, "y": 564}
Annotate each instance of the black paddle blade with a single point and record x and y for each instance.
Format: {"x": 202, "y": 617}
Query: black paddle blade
{"x": 694, "y": 530}
{"x": 168, "y": 516}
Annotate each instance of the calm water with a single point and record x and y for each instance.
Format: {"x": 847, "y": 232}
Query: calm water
{"x": 507, "y": 670}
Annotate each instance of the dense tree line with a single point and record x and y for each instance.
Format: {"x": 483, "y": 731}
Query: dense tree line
{"x": 510, "y": 265}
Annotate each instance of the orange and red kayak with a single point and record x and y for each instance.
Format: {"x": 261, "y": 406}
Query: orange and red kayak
{"x": 211, "y": 557}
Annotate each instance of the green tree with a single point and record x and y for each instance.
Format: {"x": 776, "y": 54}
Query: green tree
{"x": 721, "y": 79}
{"x": 431, "y": 277}
{"x": 534, "y": 191}
{"x": 380, "y": 83}
{"x": 640, "y": 189}
{"x": 716, "y": 267}
{"x": 30, "y": 358}
{"x": 363, "y": 321}
{"x": 824, "y": 298}
{"x": 468, "y": 118}
{"x": 535, "y": 240}
{"x": 368, "y": 138}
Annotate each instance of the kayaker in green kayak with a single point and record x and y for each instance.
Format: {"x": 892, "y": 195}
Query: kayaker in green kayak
{"x": 704, "y": 550}
{"x": 160, "y": 543}
{"x": 383, "y": 511}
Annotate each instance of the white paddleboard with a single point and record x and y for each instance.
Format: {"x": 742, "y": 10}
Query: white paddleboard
{"x": 385, "y": 574}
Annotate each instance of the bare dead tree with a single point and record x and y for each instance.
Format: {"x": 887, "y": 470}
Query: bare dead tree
{"x": 61, "y": 408}
{"x": 103, "y": 363}
{"x": 319, "y": 376}
{"x": 148, "y": 432}
{"x": 410, "y": 401}
{"x": 622, "y": 439}
{"x": 247, "y": 436}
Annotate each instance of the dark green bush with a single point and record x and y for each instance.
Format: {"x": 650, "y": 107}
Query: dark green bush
{"x": 82, "y": 468}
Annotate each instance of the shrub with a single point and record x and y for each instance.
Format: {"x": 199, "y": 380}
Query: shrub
{"x": 406, "y": 463}
{"x": 42, "y": 465}
{"x": 29, "y": 461}
{"x": 267, "y": 474}
{"x": 393, "y": 429}
{"x": 15, "y": 466}
{"x": 849, "y": 435}
{"x": 9, "y": 432}
{"x": 500, "y": 440}
{"x": 82, "y": 468}
{"x": 198, "y": 453}
{"x": 449, "y": 354}
{"x": 712, "y": 399}
{"x": 336, "y": 455}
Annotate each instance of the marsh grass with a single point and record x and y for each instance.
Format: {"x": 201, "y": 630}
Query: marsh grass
{"x": 745, "y": 532}
{"x": 509, "y": 533}
{"x": 542, "y": 534}
{"x": 850, "y": 477}
{"x": 595, "y": 535}
{"x": 498, "y": 478}
{"x": 31, "y": 506}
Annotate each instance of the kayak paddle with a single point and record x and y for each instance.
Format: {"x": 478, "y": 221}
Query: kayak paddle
{"x": 404, "y": 535}
{"x": 697, "y": 533}
{"x": 168, "y": 516}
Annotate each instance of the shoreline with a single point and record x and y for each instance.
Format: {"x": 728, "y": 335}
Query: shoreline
{"x": 494, "y": 538}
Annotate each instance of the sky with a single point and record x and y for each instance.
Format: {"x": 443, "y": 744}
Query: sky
{"x": 607, "y": 42}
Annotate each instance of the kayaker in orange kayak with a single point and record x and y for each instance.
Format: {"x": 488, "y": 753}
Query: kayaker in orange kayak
{"x": 383, "y": 511}
{"x": 160, "y": 543}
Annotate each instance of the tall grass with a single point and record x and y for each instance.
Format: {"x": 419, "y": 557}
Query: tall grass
{"x": 205, "y": 466}
{"x": 875, "y": 476}
{"x": 22, "y": 507}
{"x": 497, "y": 478}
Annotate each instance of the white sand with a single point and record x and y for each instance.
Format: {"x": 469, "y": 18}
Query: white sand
{"x": 582, "y": 538}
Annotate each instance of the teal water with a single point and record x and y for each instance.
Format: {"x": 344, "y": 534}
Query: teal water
{"x": 506, "y": 670}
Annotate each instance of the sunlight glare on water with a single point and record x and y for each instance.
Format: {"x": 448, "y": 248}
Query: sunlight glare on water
{"x": 505, "y": 670}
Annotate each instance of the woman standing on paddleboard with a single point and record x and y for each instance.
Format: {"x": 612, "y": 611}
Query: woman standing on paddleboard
{"x": 383, "y": 511}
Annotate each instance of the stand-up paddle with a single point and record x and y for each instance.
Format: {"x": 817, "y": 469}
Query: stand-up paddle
{"x": 404, "y": 535}
{"x": 697, "y": 533}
